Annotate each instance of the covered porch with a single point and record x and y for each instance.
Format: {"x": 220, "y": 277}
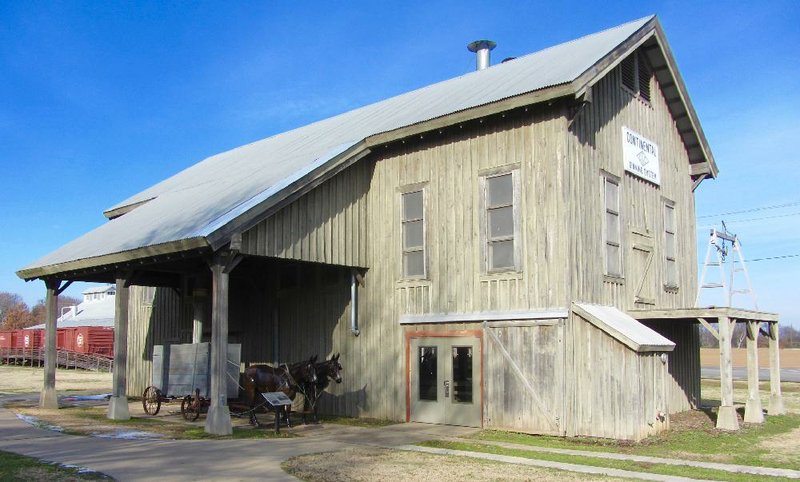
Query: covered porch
{"x": 757, "y": 323}
{"x": 277, "y": 309}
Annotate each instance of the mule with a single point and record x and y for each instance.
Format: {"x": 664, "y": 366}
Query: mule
{"x": 326, "y": 371}
{"x": 287, "y": 379}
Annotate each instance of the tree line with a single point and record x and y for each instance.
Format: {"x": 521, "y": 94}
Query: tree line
{"x": 16, "y": 314}
{"x": 789, "y": 336}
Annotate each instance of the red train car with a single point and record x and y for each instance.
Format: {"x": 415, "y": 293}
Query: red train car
{"x": 94, "y": 340}
{"x": 7, "y": 339}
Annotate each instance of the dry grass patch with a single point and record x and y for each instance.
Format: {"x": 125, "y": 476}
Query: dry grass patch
{"x": 18, "y": 380}
{"x": 367, "y": 464}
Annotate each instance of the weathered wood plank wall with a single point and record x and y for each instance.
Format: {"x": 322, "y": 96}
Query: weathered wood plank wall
{"x": 156, "y": 316}
{"x": 684, "y": 363}
{"x": 595, "y": 144}
{"x": 538, "y": 352}
{"x": 611, "y": 390}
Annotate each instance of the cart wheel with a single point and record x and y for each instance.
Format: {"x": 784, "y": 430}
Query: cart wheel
{"x": 151, "y": 400}
{"x": 190, "y": 408}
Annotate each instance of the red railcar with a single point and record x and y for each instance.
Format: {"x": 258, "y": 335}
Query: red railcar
{"x": 94, "y": 340}
{"x": 7, "y": 339}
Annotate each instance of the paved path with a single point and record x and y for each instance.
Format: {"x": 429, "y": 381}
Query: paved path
{"x": 787, "y": 374}
{"x": 179, "y": 460}
{"x": 260, "y": 459}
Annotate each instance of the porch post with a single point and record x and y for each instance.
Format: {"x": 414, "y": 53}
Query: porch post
{"x": 218, "y": 421}
{"x": 48, "y": 397}
{"x": 726, "y": 417}
{"x": 118, "y": 404}
{"x": 199, "y": 313}
{"x": 753, "y": 413}
{"x": 775, "y": 397}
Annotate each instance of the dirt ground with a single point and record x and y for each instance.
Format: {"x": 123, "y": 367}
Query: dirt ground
{"x": 790, "y": 357}
{"x": 366, "y": 464}
{"x": 19, "y": 380}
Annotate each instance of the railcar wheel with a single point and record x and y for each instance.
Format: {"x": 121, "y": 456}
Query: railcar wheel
{"x": 151, "y": 400}
{"x": 190, "y": 408}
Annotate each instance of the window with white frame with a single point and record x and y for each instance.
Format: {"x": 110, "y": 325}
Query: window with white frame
{"x": 501, "y": 226}
{"x": 413, "y": 220}
{"x": 612, "y": 231}
{"x": 671, "y": 271}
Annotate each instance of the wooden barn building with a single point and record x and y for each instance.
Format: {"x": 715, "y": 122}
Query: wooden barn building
{"x": 512, "y": 248}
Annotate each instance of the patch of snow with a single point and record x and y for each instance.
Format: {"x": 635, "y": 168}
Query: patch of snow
{"x": 128, "y": 435}
{"x": 38, "y": 423}
{"x": 84, "y": 398}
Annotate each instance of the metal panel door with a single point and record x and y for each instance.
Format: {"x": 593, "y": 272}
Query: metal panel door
{"x": 445, "y": 383}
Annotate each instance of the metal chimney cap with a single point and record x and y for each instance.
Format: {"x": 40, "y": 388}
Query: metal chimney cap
{"x": 481, "y": 44}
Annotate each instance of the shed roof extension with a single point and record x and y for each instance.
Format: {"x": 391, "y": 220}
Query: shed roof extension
{"x": 202, "y": 206}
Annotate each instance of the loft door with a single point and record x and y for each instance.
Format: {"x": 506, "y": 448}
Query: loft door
{"x": 445, "y": 380}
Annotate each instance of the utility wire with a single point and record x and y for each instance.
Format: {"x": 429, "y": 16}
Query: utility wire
{"x": 763, "y": 208}
{"x": 785, "y": 256}
{"x": 750, "y": 220}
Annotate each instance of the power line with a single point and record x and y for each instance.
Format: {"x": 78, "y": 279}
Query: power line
{"x": 763, "y": 208}
{"x": 768, "y": 258}
{"x": 735, "y": 221}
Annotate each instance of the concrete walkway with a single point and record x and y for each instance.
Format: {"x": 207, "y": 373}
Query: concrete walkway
{"x": 191, "y": 460}
{"x": 260, "y": 459}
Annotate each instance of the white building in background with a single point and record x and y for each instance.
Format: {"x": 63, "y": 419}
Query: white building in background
{"x": 96, "y": 309}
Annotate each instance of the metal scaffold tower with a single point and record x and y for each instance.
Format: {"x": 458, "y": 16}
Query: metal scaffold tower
{"x": 727, "y": 249}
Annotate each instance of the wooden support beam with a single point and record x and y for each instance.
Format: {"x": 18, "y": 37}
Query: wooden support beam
{"x": 199, "y": 317}
{"x": 775, "y": 396}
{"x": 118, "y": 404}
{"x": 708, "y": 327}
{"x": 218, "y": 421}
{"x": 753, "y": 413}
{"x": 726, "y": 416}
{"x": 48, "y": 397}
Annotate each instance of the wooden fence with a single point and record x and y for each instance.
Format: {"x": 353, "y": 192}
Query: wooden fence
{"x": 65, "y": 359}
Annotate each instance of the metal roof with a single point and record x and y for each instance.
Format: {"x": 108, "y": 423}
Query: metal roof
{"x": 623, "y": 327}
{"x": 88, "y": 313}
{"x": 192, "y": 205}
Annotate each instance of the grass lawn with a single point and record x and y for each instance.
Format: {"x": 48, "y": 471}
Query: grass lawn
{"x": 15, "y": 467}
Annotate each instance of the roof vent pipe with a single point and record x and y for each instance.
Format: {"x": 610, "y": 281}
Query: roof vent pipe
{"x": 482, "y": 49}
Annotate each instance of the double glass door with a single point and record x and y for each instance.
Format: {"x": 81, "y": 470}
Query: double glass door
{"x": 445, "y": 380}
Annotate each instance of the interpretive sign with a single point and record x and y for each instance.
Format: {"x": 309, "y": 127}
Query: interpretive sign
{"x": 640, "y": 156}
{"x": 277, "y": 399}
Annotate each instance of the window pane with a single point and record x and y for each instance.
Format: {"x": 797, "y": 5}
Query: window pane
{"x": 672, "y": 273}
{"x": 669, "y": 219}
{"x": 413, "y": 235}
{"x": 669, "y": 248}
{"x": 412, "y": 205}
{"x": 500, "y": 190}
{"x": 501, "y": 222}
{"x": 501, "y": 255}
{"x": 428, "y": 382}
{"x": 612, "y": 196}
{"x": 414, "y": 263}
{"x": 462, "y": 374}
{"x": 612, "y": 228}
{"x": 612, "y": 260}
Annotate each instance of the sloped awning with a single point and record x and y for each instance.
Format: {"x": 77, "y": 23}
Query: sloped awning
{"x": 623, "y": 328}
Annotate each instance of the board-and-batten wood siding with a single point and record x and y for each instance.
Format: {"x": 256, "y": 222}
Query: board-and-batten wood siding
{"x": 595, "y": 145}
{"x": 326, "y": 225}
{"x": 612, "y": 391}
{"x": 155, "y": 316}
{"x": 684, "y": 363}
{"x": 536, "y": 404}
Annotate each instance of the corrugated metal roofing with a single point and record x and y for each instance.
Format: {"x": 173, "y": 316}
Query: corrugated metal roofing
{"x": 194, "y": 202}
{"x": 625, "y": 328}
{"x": 88, "y": 313}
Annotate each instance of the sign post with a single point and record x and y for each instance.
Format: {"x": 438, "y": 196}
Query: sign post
{"x": 278, "y": 401}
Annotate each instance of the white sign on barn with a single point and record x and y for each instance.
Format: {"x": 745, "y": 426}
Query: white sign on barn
{"x": 640, "y": 156}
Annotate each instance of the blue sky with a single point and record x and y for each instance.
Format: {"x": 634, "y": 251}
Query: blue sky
{"x": 103, "y": 99}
